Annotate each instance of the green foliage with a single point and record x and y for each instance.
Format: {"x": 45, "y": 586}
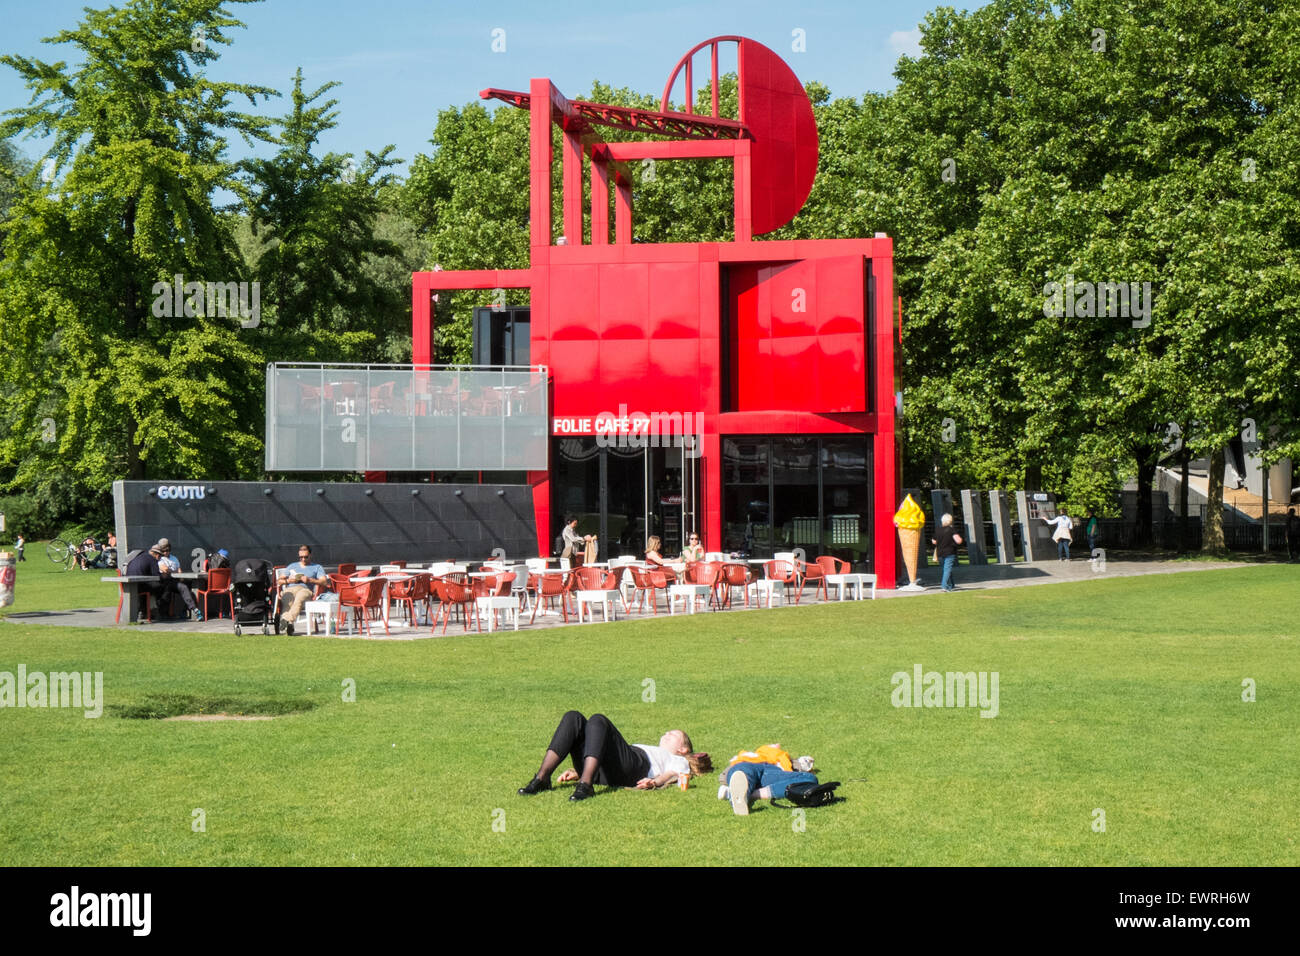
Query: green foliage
{"x": 138, "y": 153}
{"x": 314, "y": 219}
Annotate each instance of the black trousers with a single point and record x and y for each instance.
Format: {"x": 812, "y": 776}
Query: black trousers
{"x": 621, "y": 764}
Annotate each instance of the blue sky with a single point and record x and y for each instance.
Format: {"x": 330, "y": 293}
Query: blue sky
{"x": 401, "y": 61}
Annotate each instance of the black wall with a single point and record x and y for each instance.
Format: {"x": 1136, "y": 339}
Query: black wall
{"x": 444, "y": 521}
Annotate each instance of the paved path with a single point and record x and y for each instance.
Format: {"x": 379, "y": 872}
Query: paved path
{"x": 966, "y": 579}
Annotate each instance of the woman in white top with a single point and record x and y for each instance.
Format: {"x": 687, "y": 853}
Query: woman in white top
{"x": 601, "y": 755}
{"x": 1062, "y": 534}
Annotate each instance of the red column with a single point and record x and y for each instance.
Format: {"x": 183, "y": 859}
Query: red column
{"x": 540, "y": 155}
{"x": 421, "y": 320}
{"x": 599, "y": 202}
{"x": 572, "y": 189}
{"x": 885, "y": 447}
{"x": 623, "y": 212}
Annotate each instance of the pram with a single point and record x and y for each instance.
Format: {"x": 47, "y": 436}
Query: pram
{"x": 251, "y": 582}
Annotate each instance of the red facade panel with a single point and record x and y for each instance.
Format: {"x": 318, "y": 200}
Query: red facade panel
{"x": 798, "y": 335}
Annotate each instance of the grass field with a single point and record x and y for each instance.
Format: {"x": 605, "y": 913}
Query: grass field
{"x": 1123, "y": 695}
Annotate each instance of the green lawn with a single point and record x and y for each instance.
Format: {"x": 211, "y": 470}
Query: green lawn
{"x": 1118, "y": 694}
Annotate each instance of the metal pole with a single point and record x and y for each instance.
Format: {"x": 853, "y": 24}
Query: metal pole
{"x": 1264, "y": 467}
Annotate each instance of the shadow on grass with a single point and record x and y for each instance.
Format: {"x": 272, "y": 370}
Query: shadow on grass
{"x": 160, "y": 706}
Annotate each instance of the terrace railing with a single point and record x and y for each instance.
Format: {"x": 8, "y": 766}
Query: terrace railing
{"x": 360, "y": 418}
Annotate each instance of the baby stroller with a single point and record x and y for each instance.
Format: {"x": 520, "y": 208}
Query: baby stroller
{"x": 251, "y": 581}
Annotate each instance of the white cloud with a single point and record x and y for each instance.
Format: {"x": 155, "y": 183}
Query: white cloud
{"x": 906, "y": 42}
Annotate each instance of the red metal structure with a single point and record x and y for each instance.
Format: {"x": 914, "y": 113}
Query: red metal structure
{"x": 772, "y": 338}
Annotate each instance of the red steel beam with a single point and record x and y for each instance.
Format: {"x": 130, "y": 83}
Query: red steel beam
{"x": 680, "y": 125}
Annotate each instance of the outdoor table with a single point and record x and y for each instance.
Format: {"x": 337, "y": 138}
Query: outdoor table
{"x": 846, "y": 581}
{"x": 387, "y": 577}
{"x": 492, "y": 602}
{"x": 691, "y": 592}
{"x": 772, "y": 587}
{"x": 326, "y": 609}
{"x": 130, "y": 593}
{"x": 599, "y": 596}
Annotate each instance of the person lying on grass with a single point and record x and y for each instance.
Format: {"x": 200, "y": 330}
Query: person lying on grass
{"x": 768, "y": 773}
{"x": 601, "y": 755}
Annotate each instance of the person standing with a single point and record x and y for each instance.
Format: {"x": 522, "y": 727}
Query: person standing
{"x": 945, "y": 551}
{"x": 20, "y": 544}
{"x": 575, "y": 545}
{"x": 1062, "y": 535}
{"x": 1292, "y": 535}
{"x": 1090, "y": 529}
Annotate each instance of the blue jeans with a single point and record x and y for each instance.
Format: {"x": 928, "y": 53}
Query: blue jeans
{"x": 1063, "y": 548}
{"x": 949, "y": 563}
{"x": 769, "y": 775}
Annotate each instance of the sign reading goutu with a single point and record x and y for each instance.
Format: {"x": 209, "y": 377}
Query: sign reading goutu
{"x": 181, "y": 492}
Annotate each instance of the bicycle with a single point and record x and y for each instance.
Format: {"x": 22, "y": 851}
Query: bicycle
{"x": 60, "y": 552}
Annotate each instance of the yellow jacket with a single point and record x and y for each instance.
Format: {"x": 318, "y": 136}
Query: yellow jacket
{"x": 768, "y": 753}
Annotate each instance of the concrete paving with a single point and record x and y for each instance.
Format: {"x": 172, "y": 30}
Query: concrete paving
{"x": 965, "y": 577}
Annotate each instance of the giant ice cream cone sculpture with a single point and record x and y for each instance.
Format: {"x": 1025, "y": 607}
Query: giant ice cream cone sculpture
{"x": 909, "y": 520}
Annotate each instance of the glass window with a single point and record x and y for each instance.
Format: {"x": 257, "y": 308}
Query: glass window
{"x": 846, "y": 498}
{"x": 746, "y": 510}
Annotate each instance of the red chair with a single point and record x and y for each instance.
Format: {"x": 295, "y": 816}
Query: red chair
{"x": 361, "y": 598}
{"x": 218, "y": 584}
{"x": 815, "y": 573}
{"x": 549, "y": 587}
{"x": 407, "y": 593}
{"x": 736, "y": 576}
{"x": 784, "y": 572}
{"x": 648, "y": 583}
{"x": 835, "y": 565}
{"x": 459, "y": 596}
{"x": 709, "y": 574}
{"x": 121, "y": 598}
{"x": 347, "y": 569}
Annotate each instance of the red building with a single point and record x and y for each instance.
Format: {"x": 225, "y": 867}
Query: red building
{"x": 778, "y": 355}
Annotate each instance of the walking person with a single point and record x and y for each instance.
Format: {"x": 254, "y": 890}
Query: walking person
{"x": 1062, "y": 535}
{"x": 21, "y": 543}
{"x": 945, "y": 551}
{"x": 1292, "y": 535}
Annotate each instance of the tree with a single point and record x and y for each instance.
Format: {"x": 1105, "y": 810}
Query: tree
{"x": 103, "y": 383}
{"x": 315, "y": 219}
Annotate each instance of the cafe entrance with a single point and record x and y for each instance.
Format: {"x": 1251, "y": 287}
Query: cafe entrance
{"x": 623, "y": 495}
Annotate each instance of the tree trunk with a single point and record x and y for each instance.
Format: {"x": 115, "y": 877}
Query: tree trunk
{"x": 1212, "y": 527}
{"x": 1146, "y": 475}
{"x": 1183, "y": 535}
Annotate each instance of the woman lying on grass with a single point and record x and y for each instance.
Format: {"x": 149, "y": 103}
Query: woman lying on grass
{"x": 601, "y": 755}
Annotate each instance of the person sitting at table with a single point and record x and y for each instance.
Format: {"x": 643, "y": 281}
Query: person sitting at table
{"x": 297, "y": 585}
{"x": 145, "y": 564}
{"x": 693, "y": 551}
{"x": 170, "y": 565}
{"x": 214, "y": 563}
{"x": 652, "y": 555}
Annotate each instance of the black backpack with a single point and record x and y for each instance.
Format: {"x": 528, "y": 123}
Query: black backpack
{"x": 811, "y": 794}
